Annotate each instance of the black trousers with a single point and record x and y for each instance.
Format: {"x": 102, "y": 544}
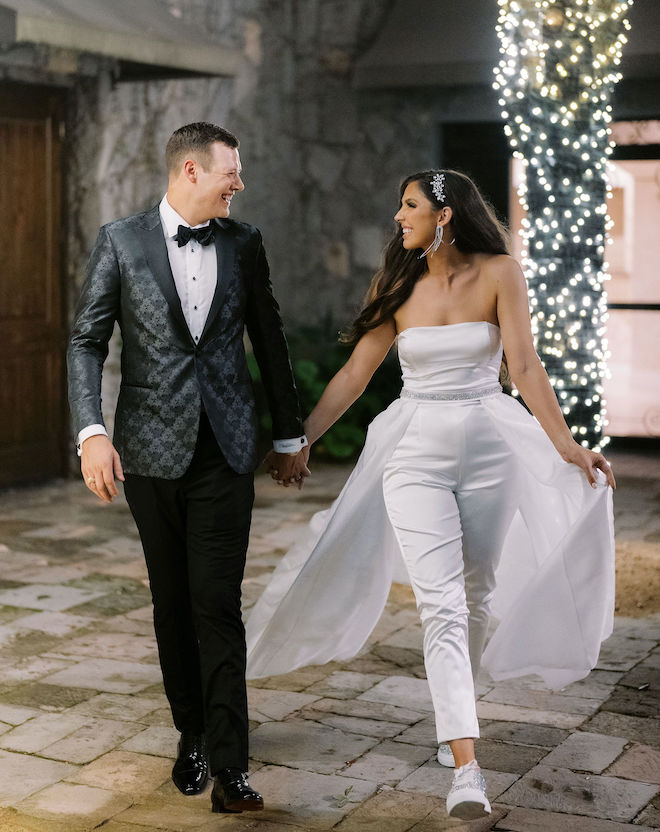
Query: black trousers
{"x": 194, "y": 533}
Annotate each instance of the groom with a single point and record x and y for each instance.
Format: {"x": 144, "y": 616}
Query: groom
{"x": 183, "y": 281}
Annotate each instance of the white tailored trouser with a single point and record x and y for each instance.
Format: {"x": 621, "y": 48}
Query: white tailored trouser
{"x": 451, "y": 490}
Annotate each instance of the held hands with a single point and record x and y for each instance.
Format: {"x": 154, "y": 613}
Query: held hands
{"x": 589, "y": 461}
{"x": 288, "y": 469}
{"x": 99, "y": 465}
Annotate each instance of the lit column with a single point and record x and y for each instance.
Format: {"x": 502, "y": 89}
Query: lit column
{"x": 557, "y": 71}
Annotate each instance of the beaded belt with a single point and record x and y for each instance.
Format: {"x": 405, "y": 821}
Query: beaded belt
{"x": 452, "y": 396}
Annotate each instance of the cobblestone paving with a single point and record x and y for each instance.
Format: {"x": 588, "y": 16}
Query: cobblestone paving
{"x": 86, "y": 739}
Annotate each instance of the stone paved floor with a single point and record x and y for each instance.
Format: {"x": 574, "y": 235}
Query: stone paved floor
{"x": 86, "y": 739}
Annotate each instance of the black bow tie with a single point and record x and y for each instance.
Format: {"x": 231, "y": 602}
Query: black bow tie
{"x": 203, "y": 235}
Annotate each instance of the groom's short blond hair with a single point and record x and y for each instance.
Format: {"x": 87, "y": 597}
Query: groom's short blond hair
{"x": 195, "y": 140}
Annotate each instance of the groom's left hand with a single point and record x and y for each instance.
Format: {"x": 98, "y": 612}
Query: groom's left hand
{"x": 288, "y": 469}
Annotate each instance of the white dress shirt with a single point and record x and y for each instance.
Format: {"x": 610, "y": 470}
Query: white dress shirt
{"x": 195, "y": 273}
{"x": 194, "y": 269}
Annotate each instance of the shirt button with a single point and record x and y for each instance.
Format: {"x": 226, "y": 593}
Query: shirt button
{"x": 194, "y": 277}
{"x": 194, "y": 307}
{"x": 196, "y": 337}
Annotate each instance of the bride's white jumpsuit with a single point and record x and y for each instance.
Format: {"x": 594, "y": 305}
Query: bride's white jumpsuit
{"x": 453, "y": 474}
{"x": 451, "y": 489}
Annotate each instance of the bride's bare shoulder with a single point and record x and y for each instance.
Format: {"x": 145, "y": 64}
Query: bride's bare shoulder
{"x": 500, "y": 268}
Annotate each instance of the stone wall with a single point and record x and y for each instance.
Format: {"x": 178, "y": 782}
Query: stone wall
{"x": 321, "y": 160}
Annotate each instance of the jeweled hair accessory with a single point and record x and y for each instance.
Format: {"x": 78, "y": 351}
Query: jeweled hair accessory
{"x": 438, "y": 186}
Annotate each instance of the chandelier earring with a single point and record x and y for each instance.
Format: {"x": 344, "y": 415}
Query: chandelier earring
{"x": 435, "y": 245}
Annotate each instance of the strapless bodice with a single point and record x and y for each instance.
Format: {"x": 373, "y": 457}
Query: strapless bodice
{"x": 453, "y": 357}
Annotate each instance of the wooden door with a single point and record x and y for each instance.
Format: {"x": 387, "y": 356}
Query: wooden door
{"x": 33, "y": 418}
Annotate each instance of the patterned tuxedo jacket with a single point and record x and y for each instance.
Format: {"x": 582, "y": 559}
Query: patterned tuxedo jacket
{"x": 165, "y": 376}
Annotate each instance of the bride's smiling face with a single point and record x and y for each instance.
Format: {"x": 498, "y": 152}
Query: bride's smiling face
{"x": 417, "y": 218}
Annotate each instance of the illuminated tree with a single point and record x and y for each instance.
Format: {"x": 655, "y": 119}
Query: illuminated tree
{"x": 556, "y": 75}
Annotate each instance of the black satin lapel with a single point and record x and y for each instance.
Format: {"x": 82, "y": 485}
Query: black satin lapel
{"x": 155, "y": 249}
{"x": 225, "y": 247}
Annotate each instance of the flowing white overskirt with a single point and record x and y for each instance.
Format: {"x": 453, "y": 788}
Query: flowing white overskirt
{"x": 554, "y": 601}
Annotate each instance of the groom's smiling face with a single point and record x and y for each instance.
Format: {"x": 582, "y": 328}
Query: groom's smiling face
{"x": 218, "y": 180}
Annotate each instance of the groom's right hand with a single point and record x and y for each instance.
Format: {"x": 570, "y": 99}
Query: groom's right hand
{"x": 99, "y": 465}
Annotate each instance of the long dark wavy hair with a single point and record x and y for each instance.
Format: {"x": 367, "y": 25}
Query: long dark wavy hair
{"x": 475, "y": 229}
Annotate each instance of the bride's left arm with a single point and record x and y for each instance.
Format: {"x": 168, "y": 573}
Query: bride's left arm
{"x": 527, "y": 372}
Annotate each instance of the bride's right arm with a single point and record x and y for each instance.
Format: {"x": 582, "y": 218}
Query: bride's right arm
{"x": 349, "y": 383}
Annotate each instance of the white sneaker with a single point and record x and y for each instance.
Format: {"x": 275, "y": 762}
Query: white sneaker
{"x": 467, "y": 797}
{"x": 445, "y": 755}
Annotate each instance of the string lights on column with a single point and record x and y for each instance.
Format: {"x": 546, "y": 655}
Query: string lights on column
{"x": 558, "y": 68}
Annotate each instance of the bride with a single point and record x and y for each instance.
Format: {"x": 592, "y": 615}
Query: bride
{"x": 458, "y": 479}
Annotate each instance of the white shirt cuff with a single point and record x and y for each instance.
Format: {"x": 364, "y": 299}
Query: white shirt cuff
{"x": 289, "y": 446}
{"x": 85, "y": 433}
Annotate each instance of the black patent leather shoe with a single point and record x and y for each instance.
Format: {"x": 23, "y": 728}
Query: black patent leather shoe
{"x": 232, "y": 793}
{"x": 191, "y": 769}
